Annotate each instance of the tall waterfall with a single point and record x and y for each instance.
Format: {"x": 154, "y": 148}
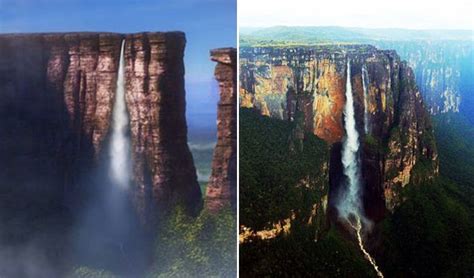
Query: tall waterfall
{"x": 365, "y": 83}
{"x": 350, "y": 201}
{"x": 119, "y": 145}
{"x": 349, "y": 206}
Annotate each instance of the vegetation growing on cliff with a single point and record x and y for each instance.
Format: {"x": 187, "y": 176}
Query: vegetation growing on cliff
{"x": 430, "y": 234}
{"x": 299, "y": 255}
{"x": 201, "y": 246}
{"x": 277, "y": 179}
{"x": 455, "y": 138}
{"x": 185, "y": 246}
{"x": 274, "y": 158}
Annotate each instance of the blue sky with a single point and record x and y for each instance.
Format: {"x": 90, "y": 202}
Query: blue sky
{"x": 207, "y": 23}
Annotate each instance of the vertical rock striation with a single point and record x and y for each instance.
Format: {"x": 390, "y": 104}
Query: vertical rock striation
{"x": 164, "y": 172}
{"x": 59, "y": 89}
{"x": 222, "y": 187}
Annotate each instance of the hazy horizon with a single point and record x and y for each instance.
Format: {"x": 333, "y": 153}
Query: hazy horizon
{"x": 352, "y": 27}
{"x": 404, "y": 14}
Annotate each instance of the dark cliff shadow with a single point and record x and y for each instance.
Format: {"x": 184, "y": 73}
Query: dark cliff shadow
{"x": 336, "y": 177}
{"x": 36, "y": 144}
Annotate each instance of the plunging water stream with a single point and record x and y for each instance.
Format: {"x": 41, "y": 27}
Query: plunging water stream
{"x": 108, "y": 234}
{"x": 349, "y": 205}
{"x": 119, "y": 145}
{"x": 365, "y": 82}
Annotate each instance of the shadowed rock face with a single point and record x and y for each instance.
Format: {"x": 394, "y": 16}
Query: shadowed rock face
{"x": 281, "y": 82}
{"x": 59, "y": 88}
{"x": 222, "y": 187}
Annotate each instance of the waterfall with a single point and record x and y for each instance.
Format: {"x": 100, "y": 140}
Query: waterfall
{"x": 365, "y": 83}
{"x": 358, "y": 228}
{"x": 119, "y": 145}
{"x": 350, "y": 201}
{"x": 349, "y": 205}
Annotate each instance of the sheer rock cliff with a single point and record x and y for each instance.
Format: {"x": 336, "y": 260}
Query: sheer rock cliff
{"x": 281, "y": 82}
{"x": 59, "y": 88}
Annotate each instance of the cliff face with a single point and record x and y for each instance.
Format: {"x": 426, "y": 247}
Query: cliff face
{"x": 59, "y": 89}
{"x": 443, "y": 71}
{"x": 162, "y": 163}
{"x": 222, "y": 186}
{"x": 281, "y": 82}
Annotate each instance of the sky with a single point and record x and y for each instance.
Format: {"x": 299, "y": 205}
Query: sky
{"x": 410, "y": 14}
{"x": 208, "y": 24}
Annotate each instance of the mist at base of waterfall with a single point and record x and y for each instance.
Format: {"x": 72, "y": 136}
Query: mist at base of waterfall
{"x": 108, "y": 235}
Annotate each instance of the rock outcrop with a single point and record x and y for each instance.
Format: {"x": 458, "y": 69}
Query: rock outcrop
{"x": 222, "y": 186}
{"x": 281, "y": 82}
{"x": 59, "y": 89}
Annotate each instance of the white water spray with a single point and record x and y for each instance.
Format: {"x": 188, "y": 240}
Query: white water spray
{"x": 349, "y": 205}
{"x": 365, "y": 82}
{"x": 350, "y": 200}
{"x": 119, "y": 145}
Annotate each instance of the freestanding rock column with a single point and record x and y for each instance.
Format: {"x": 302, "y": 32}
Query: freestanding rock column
{"x": 222, "y": 187}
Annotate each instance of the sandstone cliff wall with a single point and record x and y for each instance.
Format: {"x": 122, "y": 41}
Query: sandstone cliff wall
{"x": 59, "y": 89}
{"x": 281, "y": 82}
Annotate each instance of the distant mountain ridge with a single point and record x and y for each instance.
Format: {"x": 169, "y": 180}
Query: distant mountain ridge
{"x": 318, "y": 34}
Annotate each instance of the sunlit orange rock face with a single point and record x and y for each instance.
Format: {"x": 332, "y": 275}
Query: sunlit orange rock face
{"x": 283, "y": 82}
{"x": 278, "y": 85}
{"x": 67, "y": 82}
{"x": 328, "y": 105}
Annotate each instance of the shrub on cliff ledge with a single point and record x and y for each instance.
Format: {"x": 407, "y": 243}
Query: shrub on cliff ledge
{"x": 196, "y": 247}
